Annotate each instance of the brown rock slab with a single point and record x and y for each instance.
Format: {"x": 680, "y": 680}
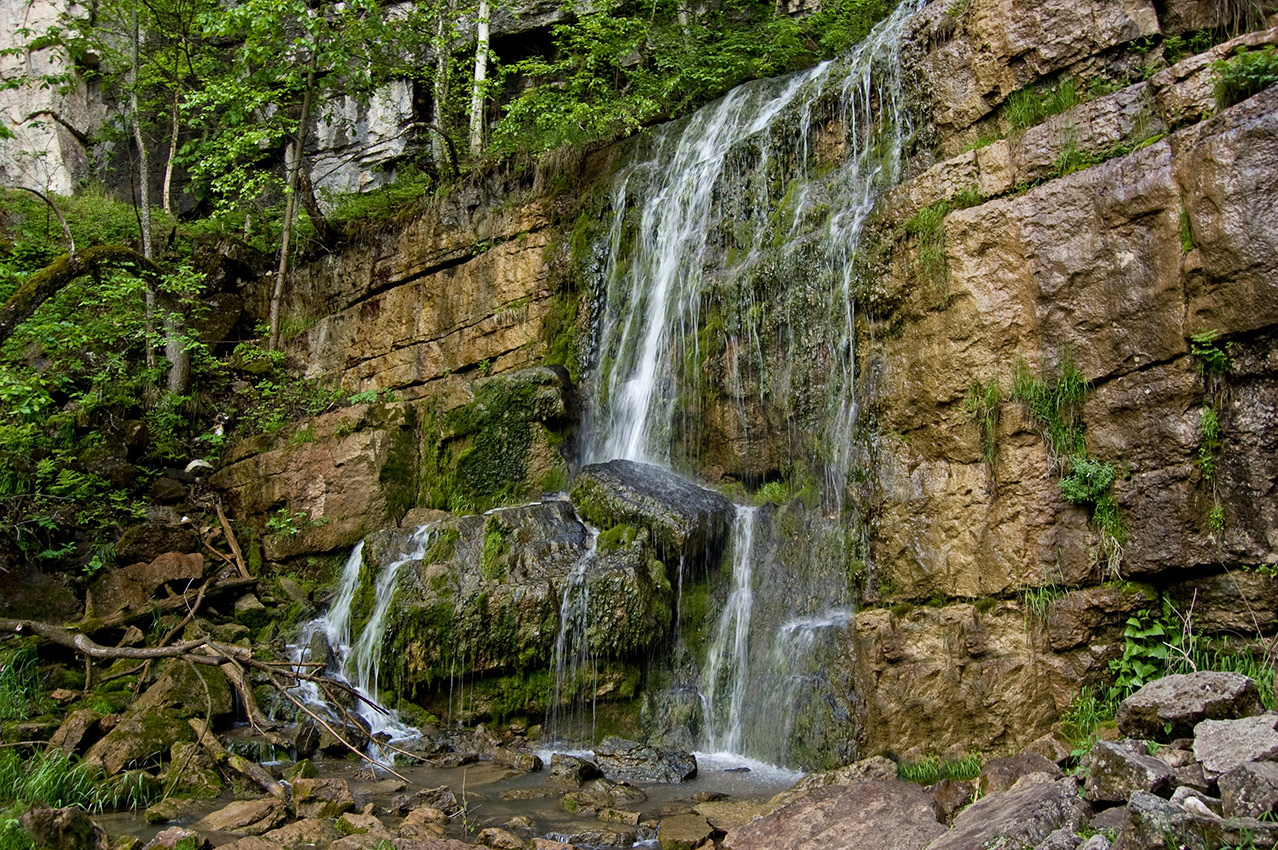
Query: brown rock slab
{"x": 73, "y": 731}
{"x": 1028, "y": 812}
{"x": 245, "y": 817}
{"x": 683, "y": 832}
{"x": 729, "y": 814}
{"x": 999, "y": 774}
{"x": 871, "y": 815}
{"x": 500, "y": 839}
{"x": 134, "y": 585}
{"x": 352, "y": 823}
{"x": 1172, "y": 706}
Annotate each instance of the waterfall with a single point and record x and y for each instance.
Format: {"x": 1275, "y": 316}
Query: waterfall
{"x": 714, "y": 194}
{"x": 356, "y": 659}
{"x": 728, "y": 661}
{"x": 733, "y": 241}
{"x": 573, "y": 664}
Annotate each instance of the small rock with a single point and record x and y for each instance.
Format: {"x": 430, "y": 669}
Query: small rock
{"x": 1182, "y": 794}
{"x": 425, "y": 814}
{"x": 322, "y": 798}
{"x": 64, "y": 829}
{"x": 730, "y": 815}
{"x": 1192, "y": 776}
{"x": 63, "y": 695}
{"x": 171, "y": 809}
{"x": 618, "y": 816}
{"x": 1061, "y": 839}
{"x": 517, "y": 759}
{"x": 1096, "y": 842}
{"x": 999, "y": 774}
{"x": 1116, "y": 771}
{"x": 245, "y": 817}
{"x": 441, "y": 798}
{"x": 952, "y": 795}
{"x": 1250, "y": 790}
{"x": 1222, "y": 745}
{"x": 571, "y": 771}
{"x": 169, "y": 838}
{"x": 500, "y": 839}
{"x": 360, "y": 824}
{"x": 250, "y": 611}
{"x": 1172, "y": 706}
{"x": 683, "y": 832}
{"x": 1051, "y": 747}
{"x": 384, "y": 787}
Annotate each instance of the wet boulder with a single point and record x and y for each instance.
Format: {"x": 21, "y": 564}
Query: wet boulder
{"x": 685, "y": 521}
{"x": 1028, "y": 812}
{"x": 1172, "y": 706}
{"x": 623, "y": 759}
{"x": 571, "y": 771}
{"x": 245, "y": 817}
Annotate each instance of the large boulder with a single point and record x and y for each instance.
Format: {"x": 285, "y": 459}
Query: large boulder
{"x": 245, "y": 817}
{"x": 685, "y": 521}
{"x": 1222, "y": 745}
{"x": 624, "y": 759}
{"x": 1118, "y": 769}
{"x": 1028, "y": 812}
{"x": 1151, "y": 819}
{"x": 1250, "y": 790}
{"x": 133, "y": 586}
{"x": 865, "y": 816}
{"x": 1170, "y": 707}
{"x": 64, "y": 829}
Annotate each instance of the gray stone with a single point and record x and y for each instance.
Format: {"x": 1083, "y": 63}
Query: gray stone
{"x": 322, "y": 798}
{"x": 570, "y": 771}
{"x": 1115, "y": 771}
{"x": 1096, "y": 842}
{"x": 1028, "y": 812}
{"x": 1183, "y": 794}
{"x": 1061, "y": 839}
{"x": 869, "y": 815}
{"x": 1172, "y": 706}
{"x": 622, "y": 759}
{"x": 1152, "y": 819}
{"x": 1222, "y": 745}
{"x": 684, "y": 519}
{"x": 1250, "y": 790}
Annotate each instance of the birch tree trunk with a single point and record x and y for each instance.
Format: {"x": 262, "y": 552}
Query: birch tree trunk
{"x": 481, "y": 73}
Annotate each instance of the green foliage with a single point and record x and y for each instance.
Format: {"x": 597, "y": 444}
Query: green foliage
{"x": 933, "y": 769}
{"x": 49, "y": 777}
{"x": 1087, "y": 482}
{"x": 287, "y": 523}
{"x": 1186, "y": 231}
{"x": 619, "y": 66}
{"x": 1209, "y": 442}
{"x": 1178, "y": 47}
{"x": 928, "y": 226}
{"x": 775, "y": 491}
{"x": 984, "y": 404}
{"x": 1210, "y": 357}
{"x": 12, "y": 835}
{"x": 1085, "y": 715}
{"x": 1037, "y": 599}
{"x": 1149, "y": 641}
{"x": 22, "y": 693}
{"x": 1223, "y": 656}
{"x": 615, "y": 538}
{"x": 1247, "y": 73}
{"x": 1030, "y": 106}
{"x": 392, "y": 202}
{"x": 495, "y": 546}
{"x": 1055, "y": 401}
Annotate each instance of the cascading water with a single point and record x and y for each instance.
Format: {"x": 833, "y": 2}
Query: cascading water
{"x": 732, "y": 246}
{"x": 356, "y": 659}
{"x": 727, "y": 667}
{"x": 573, "y": 665}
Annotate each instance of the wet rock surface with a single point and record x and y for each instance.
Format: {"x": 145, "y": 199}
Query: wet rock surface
{"x": 623, "y": 759}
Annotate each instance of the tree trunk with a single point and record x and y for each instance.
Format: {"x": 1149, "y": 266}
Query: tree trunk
{"x": 144, "y": 185}
{"x": 440, "y": 85}
{"x": 167, "y": 200}
{"x": 481, "y": 73}
{"x": 290, "y": 207}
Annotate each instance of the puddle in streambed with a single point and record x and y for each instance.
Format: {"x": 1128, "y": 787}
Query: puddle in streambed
{"x": 479, "y": 788}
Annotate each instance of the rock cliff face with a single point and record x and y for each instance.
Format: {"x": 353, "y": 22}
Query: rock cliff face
{"x": 1125, "y": 246}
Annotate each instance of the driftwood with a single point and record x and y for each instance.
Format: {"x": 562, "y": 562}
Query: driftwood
{"x": 234, "y": 661}
{"x": 221, "y": 755}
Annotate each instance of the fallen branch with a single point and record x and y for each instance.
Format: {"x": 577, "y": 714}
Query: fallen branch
{"x": 231, "y": 541}
{"x": 241, "y": 765}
